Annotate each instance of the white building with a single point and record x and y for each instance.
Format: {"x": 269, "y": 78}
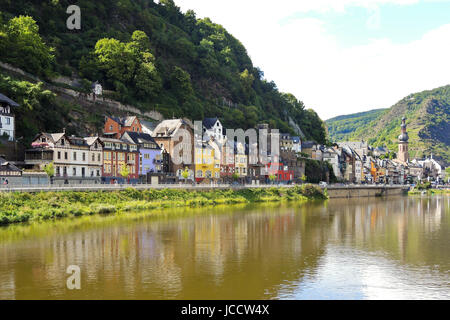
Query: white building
{"x": 332, "y": 156}
{"x": 7, "y": 125}
{"x": 212, "y": 128}
{"x": 95, "y": 156}
{"x": 71, "y": 157}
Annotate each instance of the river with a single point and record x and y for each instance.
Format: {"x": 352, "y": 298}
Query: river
{"x": 365, "y": 248}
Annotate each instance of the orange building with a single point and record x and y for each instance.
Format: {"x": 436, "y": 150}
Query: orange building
{"x": 115, "y": 127}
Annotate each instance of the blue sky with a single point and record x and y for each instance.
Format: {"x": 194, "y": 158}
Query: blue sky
{"x": 341, "y": 56}
{"x": 400, "y": 23}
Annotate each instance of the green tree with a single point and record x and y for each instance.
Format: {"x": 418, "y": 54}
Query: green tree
{"x": 180, "y": 82}
{"x": 22, "y": 46}
{"x": 50, "y": 171}
{"x": 303, "y": 178}
{"x": 125, "y": 171}
{"x": 272, "y": 178}
{"x": 185, "y": 174}
{"x": 115, "y": 59}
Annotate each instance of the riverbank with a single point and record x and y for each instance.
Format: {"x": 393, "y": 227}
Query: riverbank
{"x": 429, "y": 192}
{"x": 23, "y": 207}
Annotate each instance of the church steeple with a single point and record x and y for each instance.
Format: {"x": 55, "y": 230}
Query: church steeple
{"x": 403, "y": 154}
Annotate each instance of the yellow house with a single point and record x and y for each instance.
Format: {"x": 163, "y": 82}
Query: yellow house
{"x": 207, "y": 162}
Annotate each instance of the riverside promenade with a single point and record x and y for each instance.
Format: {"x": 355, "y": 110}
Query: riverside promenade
{"x": 334, "y": 191}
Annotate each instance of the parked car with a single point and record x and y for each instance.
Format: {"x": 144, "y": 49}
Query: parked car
{"x": 322, "y": 184}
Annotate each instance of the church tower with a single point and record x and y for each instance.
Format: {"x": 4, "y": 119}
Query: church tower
{"x": 403, "y": 154}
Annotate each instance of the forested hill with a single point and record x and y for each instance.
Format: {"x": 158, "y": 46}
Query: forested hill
{"x": 341, "y": 128}
{"x": 150, "y": 55}
{"x": 428, "y": 123}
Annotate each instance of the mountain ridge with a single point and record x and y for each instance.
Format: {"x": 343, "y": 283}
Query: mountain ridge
{"x": 428, "y": 123}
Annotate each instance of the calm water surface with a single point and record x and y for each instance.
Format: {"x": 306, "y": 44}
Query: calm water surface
{"x": 394, "y": 248}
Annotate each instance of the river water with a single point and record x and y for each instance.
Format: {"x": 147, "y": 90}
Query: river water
{"x": 366, "y": 248}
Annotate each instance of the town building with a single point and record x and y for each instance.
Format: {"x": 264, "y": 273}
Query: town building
{"x": 296, "y": 144}
{"x": 69, "y": 155}
{"x": 207, "y": 162}
{"x": 213, "y": 130}
{"x": 286, "y": 142}
{"x": 431, "y": 169}
{"x": 7, "y": 119}
{"x": 227, "y": 161}
{"x": 240, "y": 160}
{"x": 150, "y": 154}
{"x": 9, "y": 173}
{"x": 115, "y": 127}
{"x": 331, "y": 155}
{"x": 176, "y": 137}
{"x": 360, "y": 147}
{"x": 293, "y": 168}
{"x": 117, "y": 154}
{"x": 95, "y": 157}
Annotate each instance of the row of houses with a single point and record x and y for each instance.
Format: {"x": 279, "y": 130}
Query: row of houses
{"x": 129, "y": 151}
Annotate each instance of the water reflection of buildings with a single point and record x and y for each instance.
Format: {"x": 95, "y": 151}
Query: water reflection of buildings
{"x": 203, "y": 256}
{"x": 213, "y": 254}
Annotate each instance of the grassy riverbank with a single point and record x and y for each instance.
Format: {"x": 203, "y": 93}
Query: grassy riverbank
{"x": 429, "y": 192}
{"x": 23, "y": 207}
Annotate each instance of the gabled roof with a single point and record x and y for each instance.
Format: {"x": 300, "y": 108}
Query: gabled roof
{"x": 208, "y": 123}
{"x": 7, "y": 166}
{"x": 5, "y": 99}
{"x": 140, "y": 138}
{"x": 91, "y": 140}
{"x": 124, "y": 121}
{"x": 167, "y": 128}
{"x": 111, "y": 140}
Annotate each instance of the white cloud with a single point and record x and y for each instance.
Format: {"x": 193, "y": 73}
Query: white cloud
{"x": 302, "y": 57}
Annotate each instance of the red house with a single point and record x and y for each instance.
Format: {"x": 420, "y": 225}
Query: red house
{"x": 115, "y": 127}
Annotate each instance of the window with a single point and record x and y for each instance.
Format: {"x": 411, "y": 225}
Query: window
{"x": 98, "y": 173}
{"x": 111, "y": 128}
{"x": 59, "y": 155}
{"x": 58, "y": 171}
{"x": 66, "y": 156}
{"x": 146, "y": 156}
{"x": 99, "y": 157}
{"x": 84, "y": 156}
{"x": 74, "y": 171}
{"x": 199, "y": 173}
{"x": 93, "y": 157}
{"x": 74, "y": 156}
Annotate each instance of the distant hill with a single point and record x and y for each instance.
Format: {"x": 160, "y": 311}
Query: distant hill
{"x": 428, "y": 125}
{"x": 341, "y": 128}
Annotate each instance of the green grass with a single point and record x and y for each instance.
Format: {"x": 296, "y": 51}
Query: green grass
{"x": 24, "y": 207}
{"x": 428, "y": 192}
